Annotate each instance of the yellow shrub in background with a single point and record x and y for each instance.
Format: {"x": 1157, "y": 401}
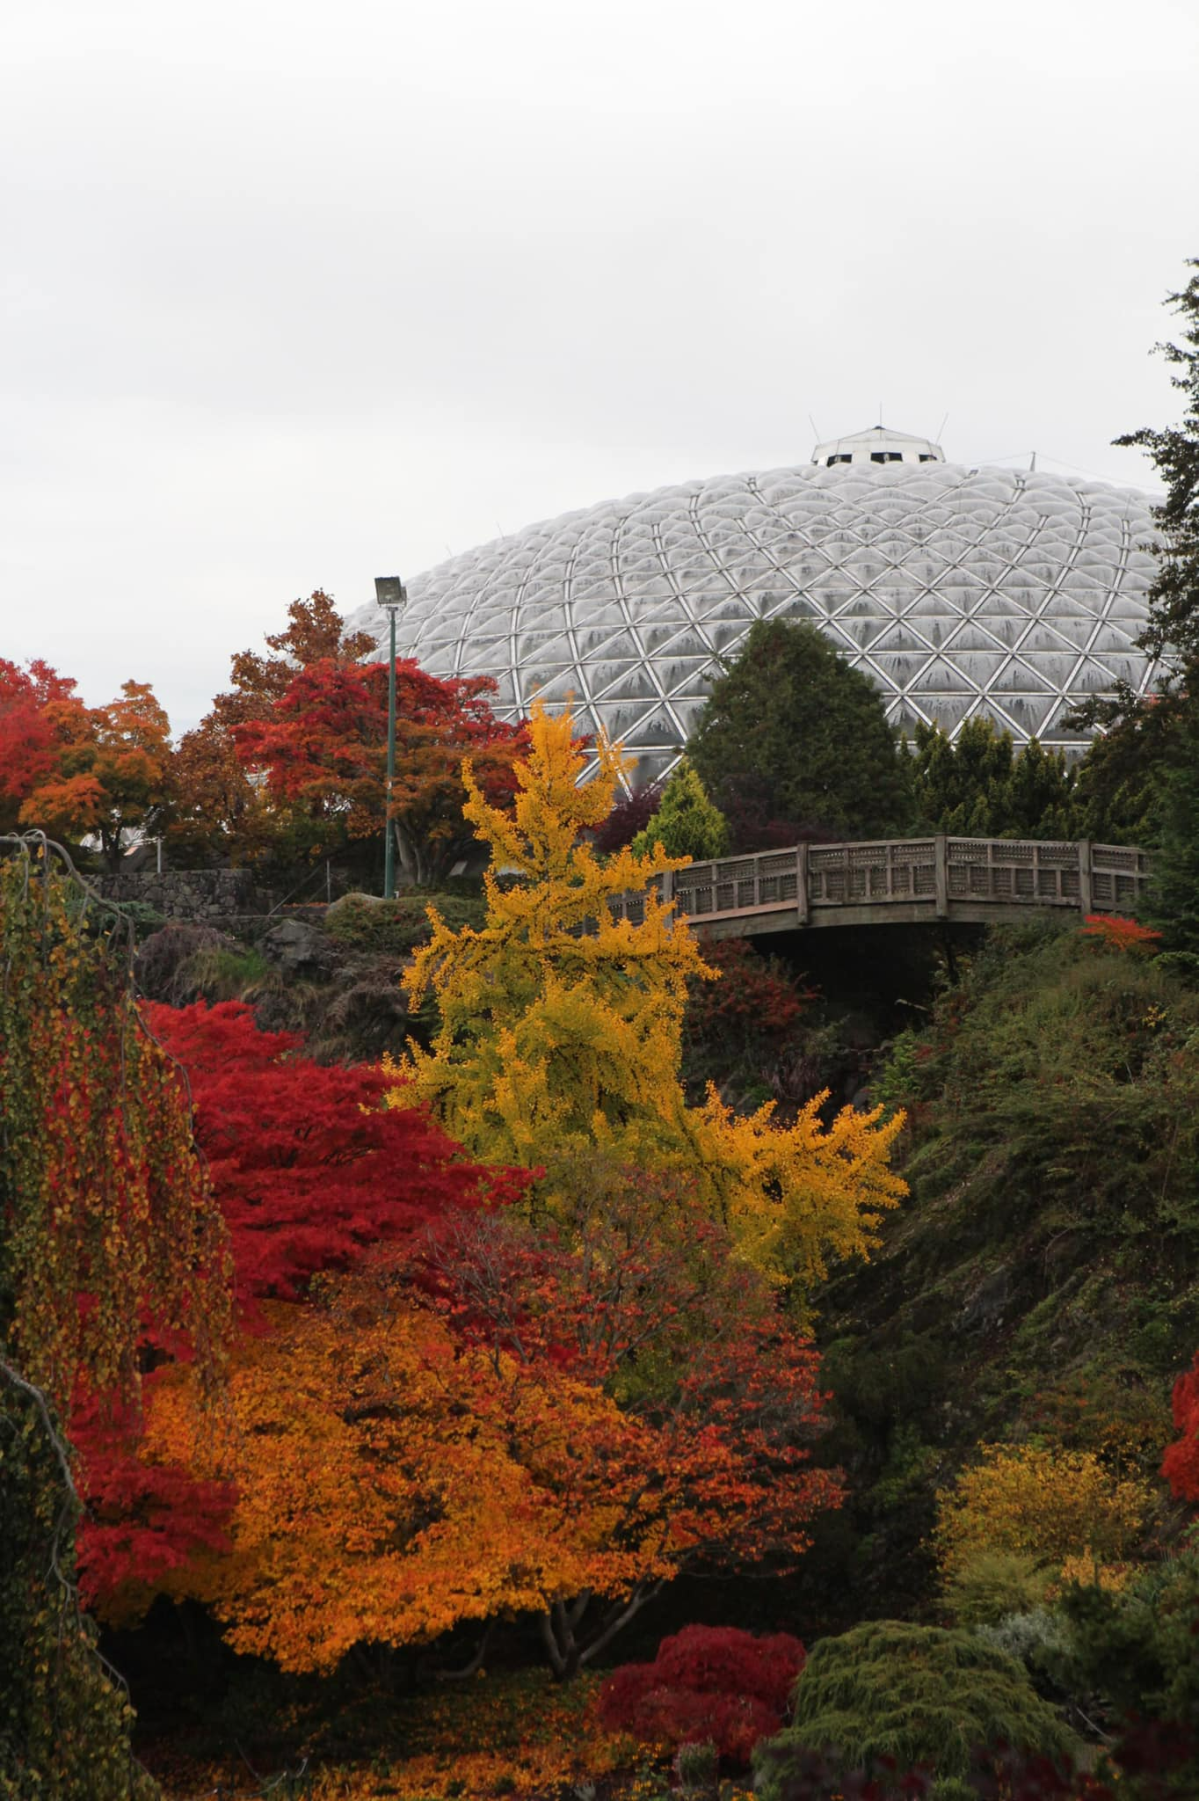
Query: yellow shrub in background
{"x": 1046, "y": 1504}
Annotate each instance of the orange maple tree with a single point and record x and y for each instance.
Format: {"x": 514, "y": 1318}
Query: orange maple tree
{"x": 109, "y": 769}
{"x": 505, "y": 1424}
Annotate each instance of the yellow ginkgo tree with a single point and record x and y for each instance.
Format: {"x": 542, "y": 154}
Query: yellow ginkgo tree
{"x": 561, "y": 1026}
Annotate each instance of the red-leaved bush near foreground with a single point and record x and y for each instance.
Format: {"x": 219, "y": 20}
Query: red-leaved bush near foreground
{"x": 706, "y": 1682}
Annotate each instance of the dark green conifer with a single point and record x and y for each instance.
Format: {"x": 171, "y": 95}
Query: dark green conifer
{"x": 791, "y": 739}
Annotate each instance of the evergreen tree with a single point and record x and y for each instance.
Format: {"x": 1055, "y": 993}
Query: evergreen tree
{"x": 891, "y": 1694}
{"x": 793, "y": 742}
{"x": 976, "y": 786}
{"x": 957, "y": 782}
{"x": 686, "y": 824}
{"x": 1173, "y": 903}
{"x": 1172, "y": 632}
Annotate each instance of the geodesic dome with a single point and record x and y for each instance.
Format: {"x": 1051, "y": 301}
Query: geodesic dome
{"x": 961, "y": 592}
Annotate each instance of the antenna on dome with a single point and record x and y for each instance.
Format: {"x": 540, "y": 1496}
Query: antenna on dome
{"x": 1032, "y": 462}
{"x": 941, "y": 427}
{"x": 816, "y": 432}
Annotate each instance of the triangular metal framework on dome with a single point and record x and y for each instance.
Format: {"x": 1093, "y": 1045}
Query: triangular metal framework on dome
{"x": 961, "y": 592}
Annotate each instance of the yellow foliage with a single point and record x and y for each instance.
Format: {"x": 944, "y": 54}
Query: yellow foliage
{"x": 1047, "y": 1504}
{"x": 1087, "y": 1570}
{"x": 561, "y": 1035}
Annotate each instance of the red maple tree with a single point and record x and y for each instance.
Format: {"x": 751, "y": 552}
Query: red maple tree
{"x": 27, "y": 740}
{"x": 322, "y": 747}
{"x": 1180, "y": 1465}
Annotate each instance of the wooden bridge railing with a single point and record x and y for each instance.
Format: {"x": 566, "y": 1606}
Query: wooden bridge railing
{"x": 900, "y": 880}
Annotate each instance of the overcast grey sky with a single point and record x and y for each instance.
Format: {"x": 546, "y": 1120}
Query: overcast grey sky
{"x": 299, "y": 293}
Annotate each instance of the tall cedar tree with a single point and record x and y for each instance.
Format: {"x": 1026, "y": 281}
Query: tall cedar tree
{"x": 107, "y": 1216}
{"x": 558, "y": 1430}
{"x": 1121, "y": 777}
{"x": 561, "y": 1038}
{"x": 792, "y": 742}
{"x": 311, "y": 1171}
{"x": 1173, "y": 900}
{"x": 1172, "y": 633}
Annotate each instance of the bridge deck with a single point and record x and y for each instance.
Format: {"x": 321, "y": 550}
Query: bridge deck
{"x": 899, "y": 881}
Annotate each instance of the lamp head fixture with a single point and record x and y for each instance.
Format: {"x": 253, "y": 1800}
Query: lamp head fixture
{"x": 390, "y": 592}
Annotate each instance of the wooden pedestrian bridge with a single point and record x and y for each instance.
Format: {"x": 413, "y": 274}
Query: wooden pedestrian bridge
{"x": 898, "y": 881}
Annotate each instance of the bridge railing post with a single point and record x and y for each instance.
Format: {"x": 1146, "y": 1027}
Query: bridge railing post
{"x": 803, "y": 902}
{"x": 941, "y": 874}
{"x": 1085, "y": 872}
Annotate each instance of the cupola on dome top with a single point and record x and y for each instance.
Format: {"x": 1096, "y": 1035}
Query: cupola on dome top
{"x": 996, "y": 593}
{"x": 879, "y": 444}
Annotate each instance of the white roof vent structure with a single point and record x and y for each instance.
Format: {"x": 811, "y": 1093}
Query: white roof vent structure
{"x": 878, "y": 445}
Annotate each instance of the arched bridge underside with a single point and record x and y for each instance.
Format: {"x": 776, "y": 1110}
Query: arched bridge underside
{"x": 899, "y": 881}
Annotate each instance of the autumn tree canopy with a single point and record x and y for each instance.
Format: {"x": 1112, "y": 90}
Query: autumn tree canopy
{"x": 508, "y": 1424}
{"x": 105, "y": 771}
{"x": 27, "y": 745}
{"x": 322, "y": 748}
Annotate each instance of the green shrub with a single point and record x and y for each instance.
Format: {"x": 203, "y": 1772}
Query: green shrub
{"x": 991, "y": 1585}
{"x": 697, "y": 1767}
{"x": 917, "y": 1695}
{"x": 225, "y": 972}
{"x": 397, "y": 927}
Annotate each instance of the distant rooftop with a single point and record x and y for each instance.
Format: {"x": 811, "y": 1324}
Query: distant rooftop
{"x": 878, "y": 445}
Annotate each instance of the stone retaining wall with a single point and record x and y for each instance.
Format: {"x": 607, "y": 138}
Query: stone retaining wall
{"x": 200, "y": 894}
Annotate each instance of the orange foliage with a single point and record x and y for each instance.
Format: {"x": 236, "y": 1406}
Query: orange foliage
{"x": 110, "y": 768}
{"x": 404, "y": 1465}
{"x": 1116, "y": 933}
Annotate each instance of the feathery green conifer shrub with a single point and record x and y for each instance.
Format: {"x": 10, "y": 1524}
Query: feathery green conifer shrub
{"x": 918, "y": 1695}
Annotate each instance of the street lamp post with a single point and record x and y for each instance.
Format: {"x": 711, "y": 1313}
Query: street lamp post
{"x": 391, "y": 593}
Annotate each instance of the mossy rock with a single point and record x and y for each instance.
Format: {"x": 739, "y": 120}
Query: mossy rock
{"x": 398, "y": 927}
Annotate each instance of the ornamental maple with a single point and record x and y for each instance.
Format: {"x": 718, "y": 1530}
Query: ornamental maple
{"x": 706, "y": 1682}
{"x": 1180, "y": 1465}
{"x": 310, "y": 1167}
{"x": 561, "y": 1031}
{"x": 554, "y": 1431}
{"x": 26, "y": 737}
{"x": 322, "y": 748}
{"x": 110, "y": 769}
